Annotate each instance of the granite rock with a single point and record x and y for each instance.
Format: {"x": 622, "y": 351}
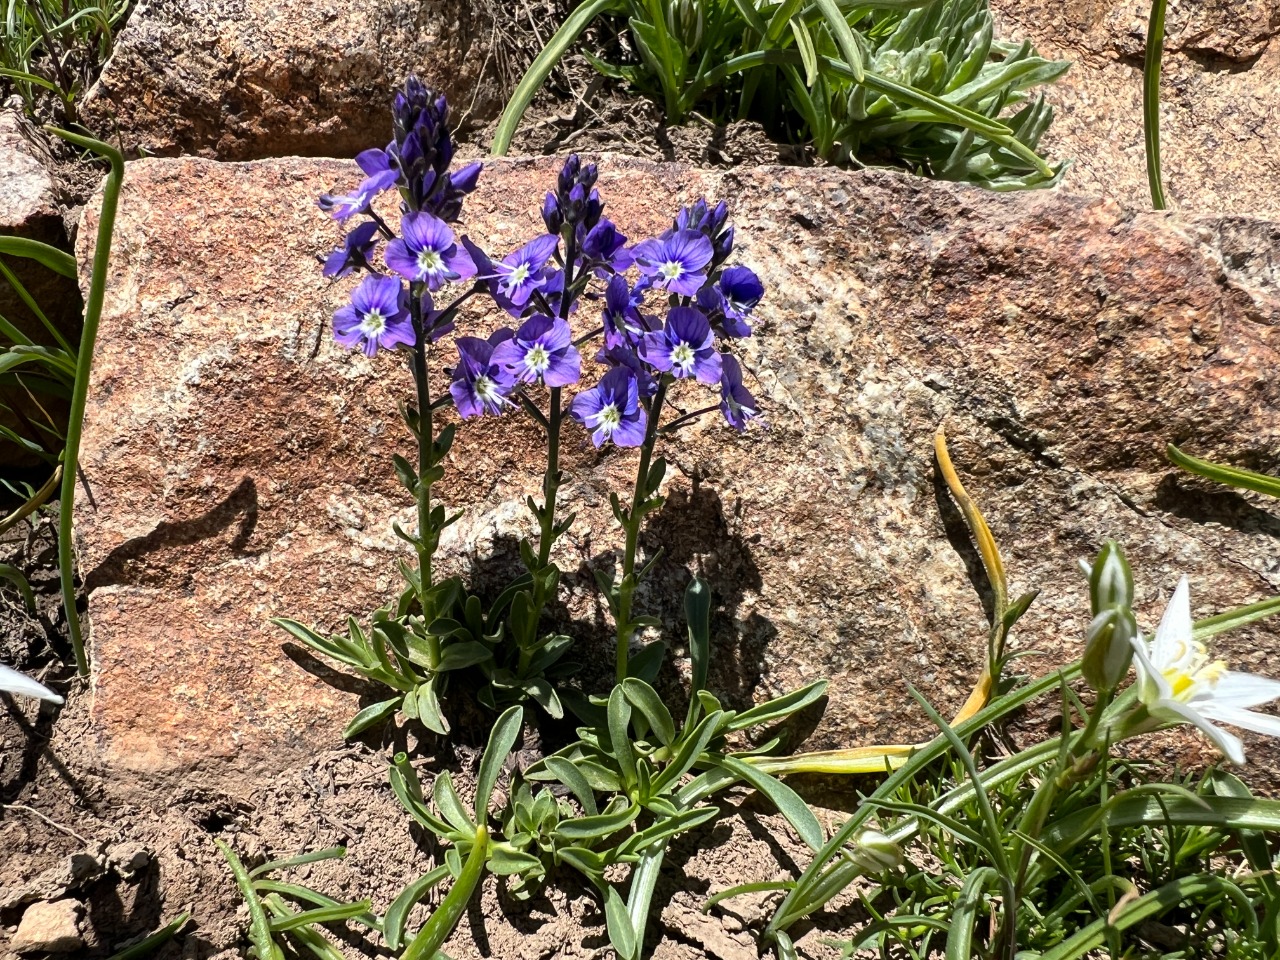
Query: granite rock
{"x": 49, "y": 928}
{"x": 239, "y": 460}
{"x": 239, "y": 79}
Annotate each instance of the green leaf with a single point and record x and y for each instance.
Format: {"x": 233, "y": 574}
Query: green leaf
{"x": 645, "y": 699}
{"x": 1233, "y": 619}
{"x": 459, "y": 656}
{"x": 691, "y": 748}
{"x": 337, "y": 647}
{"x": 393, "y": 923}
{"x": 568, "y": 774}
{"x": 408, "y": 790}
{"x": 502, "y": 739}
{"x": 371, "y": 716}
{"x": 330, "y": 853}
{"x": 601, "y": 825}
{"x": 59, "y": 261}
{"x": 450, "y": 804}
{"x": 1231, "y": 813}
{"x": 619, "y": 723}
{"x": 540, "y": 69}
{"x": 1219, "y": 473}
{"x": 344, "y": 911}
{"x": 259, "y": 925}
{"x": 844, "y": 37}
{"x": 965, "y": 915}
{"x": 667, "y": 827}
{"x": 621, "y": 934}
{"x": 780, "y": 708}
{"x": 784, "y": 798}
{"x": 697, "y": 611}
{"x": 505, "y": 860}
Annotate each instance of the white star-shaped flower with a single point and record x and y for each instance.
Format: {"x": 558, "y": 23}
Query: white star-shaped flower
{"x": 1179, "y": 683}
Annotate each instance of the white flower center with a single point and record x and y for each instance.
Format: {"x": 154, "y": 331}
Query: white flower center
{"x": 430, "y": 261}
{"x": 518, "y": 275}
{"x": 682, "y": 356}
{"x": 671, "y": 270}
{"x": 373, "y": 324}
{"x": 538, "y": 359}
{"x": 609, "y": 417}
{"x": 486, "y": 389}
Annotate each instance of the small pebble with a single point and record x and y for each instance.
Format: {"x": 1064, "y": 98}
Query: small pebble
{"x": 49, "y": 928}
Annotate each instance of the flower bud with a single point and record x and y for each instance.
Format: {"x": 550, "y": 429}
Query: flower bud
{"x": 1108, "y": 648}
{"x": 873, "y": 852}
{"x": 551, "y": 214}
{"x": 1111, "y": 580}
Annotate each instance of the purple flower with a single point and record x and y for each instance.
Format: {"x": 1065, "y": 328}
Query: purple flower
{"x": 623, "y": 323}
{"x": 428, "y": 253}
{"x": 736, "y": 402}
{"x": 542, "y": 350}
{"x": 379, "y": 176}
{"x": 354, "y": 253}
{"x": 422, "y": 150}
{"x": 611, "y": 410}
{"x": 520, "y": 273}
{"x": 375, "y": 317}
{"x": 479, "y": 384}
{"x": 685, "y": 347}
{"x": 712, "y": 223}
{"x": 605, "y": 245}
{"x": 732, "y": 299}
{"x": 677, "y": 262}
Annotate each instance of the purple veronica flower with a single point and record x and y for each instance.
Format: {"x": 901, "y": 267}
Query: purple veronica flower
{"x": 623, "y": 323}
{"x": 677, "y": 262}
{"x": 736, "y": 402}
{"x": 605, "y": 245}
{"x": 428, "y": 253}
{"x": 732, "y": 299}
{"x": 712, "y": 223}
{"x": 685, "y": 347}
{"x": 375, "y": 317}
{"x": 611, "y": 410}
{"x": 542, "y": 350}
{"x": 379, "y": 176}
{"x": 354, "y": 253}
{"x": 479, "y": 384}
{"x": 519, "y": 274}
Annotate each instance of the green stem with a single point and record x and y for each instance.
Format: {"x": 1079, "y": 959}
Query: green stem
{"x": 632, "y": 526}
{"x": 80, "y": 392}
{"x": 1151, "y": 100}
{"x": 550, "y": 480}
{"x": 440, "y": 924}
{"x": 426, "y": 435}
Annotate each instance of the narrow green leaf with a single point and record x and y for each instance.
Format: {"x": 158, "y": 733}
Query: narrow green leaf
{"x": 844, "y": 37}
{"x": 965, "y": 915}
{"x": 441, "y": 923}
{"x": 450, "y": 804}
{"x": 619, "y": 722}
{"x": 503, "y": 737}
{"x": 59, "y": 261}
{"x": 621, "y": 934}
{"x": 1219, "y": 473}
{"x": 568, "y": 774}
{"x": 784, "y": 798}
{"x": 601, "y": 825}
{"x": 331, "y": 853}
{"x": 779, "y": 708}
{"x": 645, "y": 699}
{"x": 398, "y": 913}
{"x": 144, "y": 948}
{"x": 344, "y": 911}
{"x": 259, "y": 925}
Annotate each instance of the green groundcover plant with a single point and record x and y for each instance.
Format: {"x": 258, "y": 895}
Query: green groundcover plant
{"x": 967, "y": 847}
{"x": 922, "y": 84}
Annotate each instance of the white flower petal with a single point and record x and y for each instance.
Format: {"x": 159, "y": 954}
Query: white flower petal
{"x": 1152, "y": 685}
{"x": 1244, "y": 719}
{"x": 1237, "y": 689}
{"x": 11, "y": 681}
{"x": 1173, "y": 636}
{"x": 1228, "y": 743}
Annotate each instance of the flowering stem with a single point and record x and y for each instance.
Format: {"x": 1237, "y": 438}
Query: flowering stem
{"x": 632, "y": 523}
{"x": 550, "y": 480}
{"x": 426, "y": 434}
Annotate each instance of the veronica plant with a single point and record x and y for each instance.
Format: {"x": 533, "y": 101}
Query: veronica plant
{"x": 673, "y": 322}
{"x": 914, "y": 83}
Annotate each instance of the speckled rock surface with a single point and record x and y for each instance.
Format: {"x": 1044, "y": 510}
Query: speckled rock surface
{"x": 29, "y": 209}
{"x": 238, "y": 79}
{"x": 49, "y": 928}
{"x": 239, "y": 461}
{"x": 1220, "y": 115}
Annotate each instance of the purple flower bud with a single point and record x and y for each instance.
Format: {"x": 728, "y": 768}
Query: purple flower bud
{"x": 736, "y": 402}
{"x": 551, "y": 214}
